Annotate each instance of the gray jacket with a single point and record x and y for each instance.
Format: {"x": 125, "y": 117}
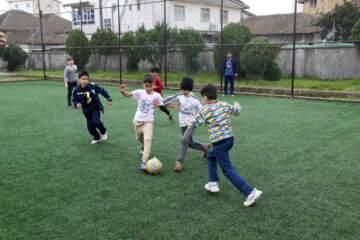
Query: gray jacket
{"x": 70, "y": 73}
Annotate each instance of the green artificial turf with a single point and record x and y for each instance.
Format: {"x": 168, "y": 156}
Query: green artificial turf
{"x": 303, "y": 155}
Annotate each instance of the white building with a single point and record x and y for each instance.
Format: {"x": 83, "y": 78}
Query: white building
{"x": 32, "y": 7}
{"x": 201, "y": 15}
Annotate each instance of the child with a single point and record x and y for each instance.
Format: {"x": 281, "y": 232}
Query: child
{"x": 86, "y": 96}
{"x": 144, "y": 116}
{"x": 216, "y": 116}
{"x": 189, "y": 105}
{"x": 158, "y": 87}
{"x": 70, "y": 78}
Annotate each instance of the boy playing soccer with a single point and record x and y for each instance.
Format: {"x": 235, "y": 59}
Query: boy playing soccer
{"x": 189, "y": 105}
{"x": 86, "y": 97}
{"x": 70, "y": 78}
{"x": 144, "y": 116}
{"x": 158, "y": 87}
{"x": 216, "y": 116}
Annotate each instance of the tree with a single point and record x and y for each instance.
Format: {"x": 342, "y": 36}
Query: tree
{"x": 131, "y": 52}
{"x": 258, "y": 55}
{"x": 191, "y": 51}
{"x": 344, "y": 16}
{"x": 355, "y": 34}
{"x": 73, "y": 43}
{"x": 155, "y": 38}
{"x": 105, "y": 43}
{"x": 235, "y": 36}
{"x": 142, "y": 41}
{"x": 14, "y": 56}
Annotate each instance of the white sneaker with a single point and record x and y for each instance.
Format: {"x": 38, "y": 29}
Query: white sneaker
{"x": 212, "y": 188}
{"x": 95, "y": 141}
{"x": 104, "y": 137}
{"x": 255, "y": 194}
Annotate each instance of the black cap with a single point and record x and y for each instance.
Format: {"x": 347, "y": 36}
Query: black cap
{"x": 187, "y": 83}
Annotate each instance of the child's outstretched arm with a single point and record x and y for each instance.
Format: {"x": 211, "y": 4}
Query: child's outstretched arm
{"x": 235, "y": 110}
{"x": 105, "y": 94}
{"x": 195, "y": 122}
{"x": 123, "y": 90}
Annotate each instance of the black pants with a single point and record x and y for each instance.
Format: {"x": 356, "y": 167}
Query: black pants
{"x": 165, "y": 110}
{"x": 71, "y": 86}
{"x": 94, "y": 122}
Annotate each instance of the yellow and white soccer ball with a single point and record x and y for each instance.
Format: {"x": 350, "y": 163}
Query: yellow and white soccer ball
{"x": 154, "y": 166}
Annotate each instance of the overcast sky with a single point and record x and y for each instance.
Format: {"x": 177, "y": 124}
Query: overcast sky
{"x": 258, "y": 7}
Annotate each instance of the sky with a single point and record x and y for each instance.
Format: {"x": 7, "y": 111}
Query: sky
{"x": 258, "y": 7}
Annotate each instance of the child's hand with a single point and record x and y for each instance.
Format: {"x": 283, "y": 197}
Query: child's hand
{"x": 66, "y": 85}
{"x": 79, "y": 105}
{"x": 123, "y": 88}
{"x": 156, "y": 104}
{"x": 109, "y": 103}
{"x": 177, "y": 106}
{"x": 236, "y": 104}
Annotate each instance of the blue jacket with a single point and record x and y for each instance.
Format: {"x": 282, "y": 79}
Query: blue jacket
{"x": 79, "y": 96}
{"x": 234, "y": 66}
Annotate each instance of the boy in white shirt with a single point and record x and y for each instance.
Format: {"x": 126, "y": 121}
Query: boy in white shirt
{"x": 144, "y": 116}
{"x": 188, "y": 105}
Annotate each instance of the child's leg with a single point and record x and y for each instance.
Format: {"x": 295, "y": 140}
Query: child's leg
{"x": 187, "y": 141}
{"x": 69, "y": 93}
{"x": 139, "y": 132}
{"x": 148, "y": 132}
{"x": 90, "y": 125}
{"x": 212, "y": 165}
{"x": 97, "y": 122}
{"x": 222, "y": 156}
{"x": 165, "y": 110}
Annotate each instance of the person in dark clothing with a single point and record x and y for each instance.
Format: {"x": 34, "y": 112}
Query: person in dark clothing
{"x": 230, "y": 68}
{"x": 85, "y": 96}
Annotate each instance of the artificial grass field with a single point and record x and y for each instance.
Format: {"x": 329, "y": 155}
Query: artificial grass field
{"x": 303, "y": 155}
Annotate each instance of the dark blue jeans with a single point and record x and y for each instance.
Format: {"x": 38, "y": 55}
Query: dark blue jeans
{"x": 219, "y": 153}
{"x": 93, "y": 122}
{"x": 226, "y": 82}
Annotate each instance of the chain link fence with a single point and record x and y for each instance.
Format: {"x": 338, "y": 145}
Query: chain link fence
{"x": 196, "y": 38}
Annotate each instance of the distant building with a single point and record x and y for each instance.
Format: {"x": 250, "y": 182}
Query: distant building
{"x": 32, "y": 7}
{"x": 280, "y": 27}
{"x": 201, "y": 15}
{"x": 24, "y": 29}
{"x": 323, "y": 6}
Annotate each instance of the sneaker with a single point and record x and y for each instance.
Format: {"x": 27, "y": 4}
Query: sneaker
{"x": 95, "y": 141}
{"x": 142, "y": 151}
{"x": 224, "y": 95}
{"x": 70, "y": 106}
{"x": 232, "y": 95}
{"x": 104, "y": 137}
{"x": 208, "y": 146}
{"x": 171, "y": 118}
{"x": 178, "y": 167}
{"x": 212, "y": 188}
{"x": 255, "y": 194}
{"x": 143, "y": 165}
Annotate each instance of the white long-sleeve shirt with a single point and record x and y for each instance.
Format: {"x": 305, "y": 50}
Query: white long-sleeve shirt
{"x": 189, "y": 105}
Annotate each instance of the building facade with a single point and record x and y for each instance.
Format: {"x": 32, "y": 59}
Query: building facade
{"x": 32, "y": 7}
{"x": 322, "y": 6}
{"x": 201, "y": 15}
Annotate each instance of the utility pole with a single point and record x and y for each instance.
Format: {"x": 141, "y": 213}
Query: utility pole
{"x": 101, "y": 14}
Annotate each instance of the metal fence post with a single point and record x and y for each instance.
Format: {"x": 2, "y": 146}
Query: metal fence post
{"x": 293, "y": 57}
{"x": 221, "y": 43}
{"x": 82, "y": 40}
{"x": 165, "y": 46}
{"x": 42, "y": 41}
{"x": 119, "y": 29}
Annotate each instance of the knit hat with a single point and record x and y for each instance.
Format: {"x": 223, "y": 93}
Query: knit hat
{"x": 187, "y": 83}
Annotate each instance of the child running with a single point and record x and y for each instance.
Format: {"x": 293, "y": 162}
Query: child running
{"x": 189, "y": 105}
{"x": 158, "y": 87}
{"x": 216, "y": 116}
{"x": 86, "y": 97}
{"x": 144, "y": 116}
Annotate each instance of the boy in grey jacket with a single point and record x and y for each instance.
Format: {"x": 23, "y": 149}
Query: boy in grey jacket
{"x": 70, "y": 79}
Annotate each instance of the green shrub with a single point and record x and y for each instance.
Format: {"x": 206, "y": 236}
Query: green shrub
{"x": 14, "y": 56}
{"x": 105, "y": 43}
{"x": 73, "y": 43}
{"x": 355, "y": 34}
{"x": 273, "y": 73}
{"x": 258, "y": 55}
{"x": 131, "y": 52}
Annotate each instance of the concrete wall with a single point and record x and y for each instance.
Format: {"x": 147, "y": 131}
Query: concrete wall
{"x": 323, "y": 63}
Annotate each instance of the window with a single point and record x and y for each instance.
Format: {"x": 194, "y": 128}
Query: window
{"x": 225, "y": 16}
{"x": 313, "y": 3}
{"x": 49, "y": 7}
{"x": 205, "y": 15}
{"x": 179, "y": 13}
{"x": 16, "y": 5}
{"x": 107, "y": 24}
{"x": 28, "y": 5}
{"x": 88, "y": 17}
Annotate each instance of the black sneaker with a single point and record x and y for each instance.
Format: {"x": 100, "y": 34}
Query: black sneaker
{"x": 171, "y": 118}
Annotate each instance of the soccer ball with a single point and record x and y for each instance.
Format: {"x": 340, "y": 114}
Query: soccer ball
{"x": 154, "y": 166}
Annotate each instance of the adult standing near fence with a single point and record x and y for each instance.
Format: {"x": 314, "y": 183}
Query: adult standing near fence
{"x": 230, "y": 67}
{"x": 70, "y": 79}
